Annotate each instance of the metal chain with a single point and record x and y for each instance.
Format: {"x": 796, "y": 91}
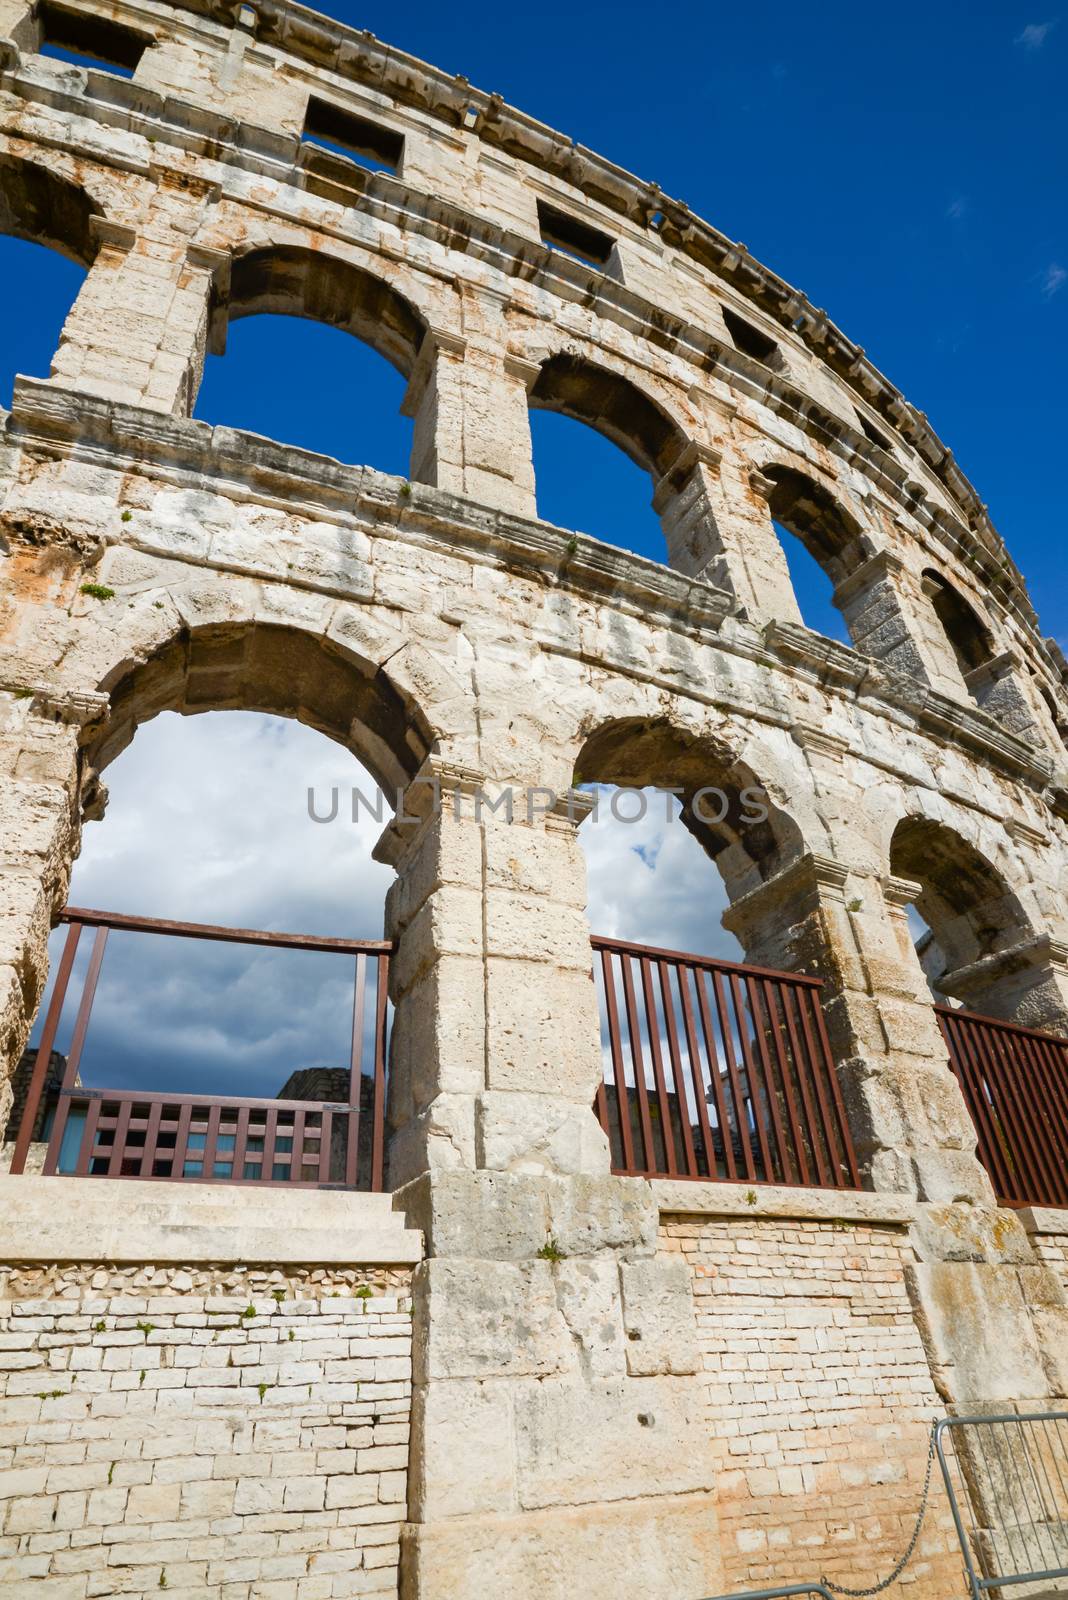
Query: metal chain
{"x": 861, "y": 1594}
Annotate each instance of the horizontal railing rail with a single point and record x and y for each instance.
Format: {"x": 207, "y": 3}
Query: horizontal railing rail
{"x": 213, "y": 1138}
{"x": 717, "y": 1070}
{"x": 1015, "y": 1084}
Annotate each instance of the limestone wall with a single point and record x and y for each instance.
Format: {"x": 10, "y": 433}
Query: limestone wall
{"x": 213, "y": 1432}
{"x": 819, "y": 1399}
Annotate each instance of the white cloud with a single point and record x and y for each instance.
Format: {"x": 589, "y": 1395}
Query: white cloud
{"x": 1053, "y": 279}
{"x": 1034, "y": 35}
{"x": 957, "y": 208}
{"x": 208, "y": 822}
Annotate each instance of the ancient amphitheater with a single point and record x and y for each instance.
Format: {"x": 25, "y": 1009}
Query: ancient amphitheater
{"x": 636, "y": 1320}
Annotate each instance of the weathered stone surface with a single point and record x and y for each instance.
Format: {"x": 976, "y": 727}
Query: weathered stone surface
{"x": 658, "y": 1319}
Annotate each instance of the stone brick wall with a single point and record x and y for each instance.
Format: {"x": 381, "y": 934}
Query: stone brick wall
{"x": 211, "y": 1432}
{"x": 1052, "y": 1250}
{"x": 818, "y": 1401}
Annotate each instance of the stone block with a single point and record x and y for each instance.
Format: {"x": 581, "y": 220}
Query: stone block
{"x": 661, "y": 1549}
{"x": 462, "y": 1461}
{"x": 488, "y": 1319}
{"x": 977, "y": 1331}
{"x": 581, "y": 1442}
{"x": 658, "y": 1319}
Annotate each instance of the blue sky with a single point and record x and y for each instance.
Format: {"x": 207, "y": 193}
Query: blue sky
{"x": 910, "y": 176}
{"x": 907, "y": 169}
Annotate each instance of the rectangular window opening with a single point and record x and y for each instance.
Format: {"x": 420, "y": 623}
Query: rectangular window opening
{"x": 578, "y": 239}
{"x": 751, "y": 341}
{"x": 345, "y": 134}
{"x": 83, "y": 40}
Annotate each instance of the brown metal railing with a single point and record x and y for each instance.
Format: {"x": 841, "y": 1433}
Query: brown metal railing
{"x": 128, "y": 1133}
{"x": 717, "y": 1070}
{"x": 1015, "y": 1083}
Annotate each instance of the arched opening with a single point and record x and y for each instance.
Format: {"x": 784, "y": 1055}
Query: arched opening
{"x": 245, "y": 1038}
{"x": 44, "y": 255}
{"x": 966, "y": 915}
{"x": 289, "y": 373}
{"x": 968, "y": 636}
{"x": 823, "y": 545}
{"x": 707, "y": 1064}
{"x": 583, "y": 484}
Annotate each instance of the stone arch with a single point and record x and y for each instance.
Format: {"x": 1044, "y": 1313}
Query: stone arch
{"x": 655, "y": 752}
{"x": 968, "y": 635}
{"x": 812, "y": 513}
{"x": 612, "y": 404}
{"x": 40, "y": 205}
{"x": 987, "y": 951}
{"x": 272, "y": 668}
{"x": 296, "y": 281}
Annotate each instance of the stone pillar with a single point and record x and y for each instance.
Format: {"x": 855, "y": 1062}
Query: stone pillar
{"x": 910, "y": 1125}
{"x": 39, "y": 822}
{"x": 880, "y": 605}
{"x": 999, "y": 687}
{"x": 495, "y": 1057}
{"x": 716, "y": 527}
{"x": 138, "y": 331}
{"x": 559, "y": 1444}
{"x": 472, "y": 429}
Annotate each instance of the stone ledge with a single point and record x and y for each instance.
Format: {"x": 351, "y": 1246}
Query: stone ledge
{"x": 681, "y": 1197}
{"x": 1043, "y": 1219}
{"x": 126, "y": 1220}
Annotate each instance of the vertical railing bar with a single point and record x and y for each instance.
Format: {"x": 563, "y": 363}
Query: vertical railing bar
{"x": 615, "y": 1045}
{"x": 1002, "y": 1112}
{"x": 715, "y": 1081}
{"x": 638, "y": 1063}
{"x": 830, "y": 1070}
{"x": 181, "y": 1138}
{"x": 992, "y": 1497}
{"x": 148, "y": 1154}
{"x": 378, "y": 1139}
{"x": 1031, "y": 1525}
{"x": 816, "y": 1144}
{"x": 815, "y": 1070}
{"x": 81, "y": 1027}
{"x": 1025, "y": 1099}
{"x": 775, "y": 1025}
{"x": 326, "y": 1138}
{"x": 677, "y": 1076}
{"x": 1047, "y": 1500}
{"x": 241, "y": 1143}
{"x": 270, "y": 1134}
{"x": 1060, "y": 1438}
{"x": 44, "y": 1051}
{"x": 697, "y": 1076}
{"x": 723, "y": 1013}
{"x": 118, "y": 1147}
{"x": 663, "y": 1102}
{"x": 982, "y": 1114}
{"x": 802, "y": 1079}
{"x": 1054, "y": 1060}
{"x": 1054, "y": 1131}
{"x": 359, "y": 984}
{"x": 86, "y": 1148}
{"x": 1012, "y": 1115}
{"x": 296, "y": 1153}
{"x": 211, "y": 1141}
{"x": 761, "y": 1023}
{"x": 756, "y": 1083}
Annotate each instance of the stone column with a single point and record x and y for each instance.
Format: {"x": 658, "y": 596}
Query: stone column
{"x": 717, "y": 528}
{"x": 910, "y": 1126}
{"x": 881, "y": 604}
{"x": 138, "y": 331}
{"x": 472, "y": 429}
{"x": 999, "y": 686}
{"x": 495, "y": 1058}
{"x": 39, "y": 823}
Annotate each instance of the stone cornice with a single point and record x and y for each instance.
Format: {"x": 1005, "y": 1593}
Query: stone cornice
{"x": 48, "y": 419}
